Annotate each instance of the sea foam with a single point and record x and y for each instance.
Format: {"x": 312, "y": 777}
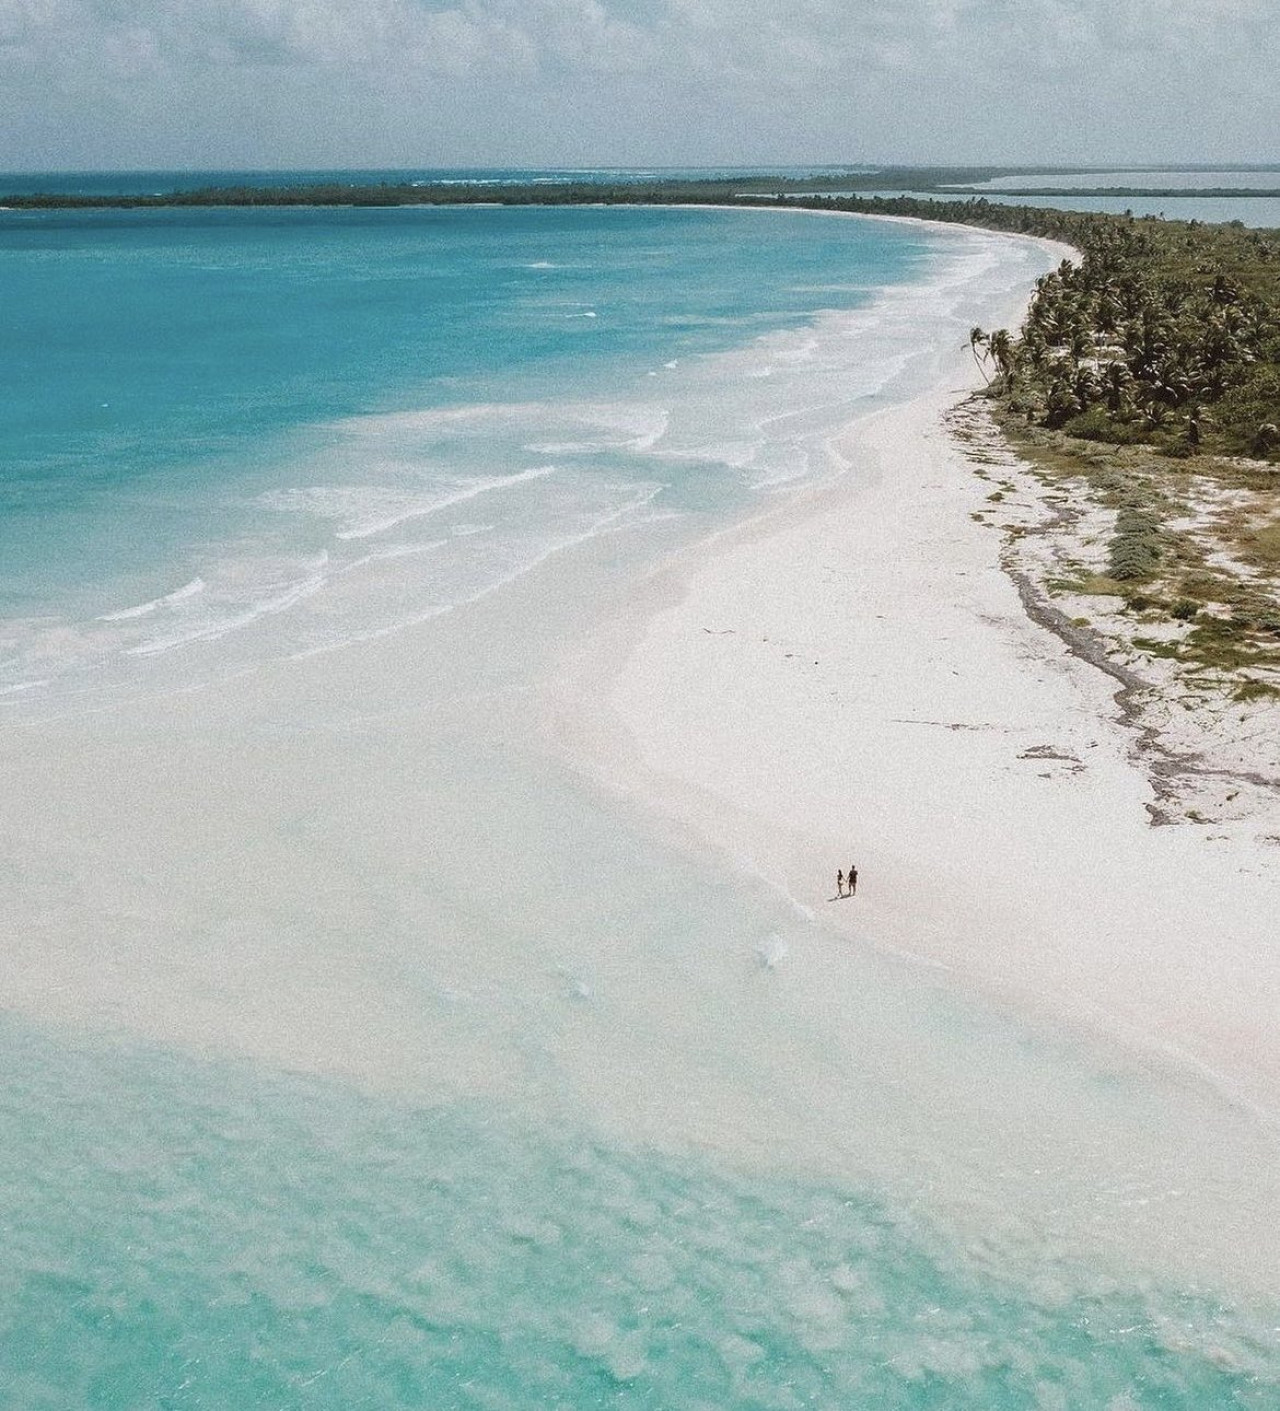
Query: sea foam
{"x": 295, "y": 570}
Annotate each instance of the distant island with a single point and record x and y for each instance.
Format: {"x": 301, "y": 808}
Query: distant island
{"x": 962, "y": 183}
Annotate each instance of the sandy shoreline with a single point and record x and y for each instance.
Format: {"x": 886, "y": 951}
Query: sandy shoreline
{"x": 853, "y": 678}
{"x": 363, "y": 865}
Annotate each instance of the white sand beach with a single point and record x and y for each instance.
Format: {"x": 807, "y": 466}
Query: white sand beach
{"x": 853, "y": 678}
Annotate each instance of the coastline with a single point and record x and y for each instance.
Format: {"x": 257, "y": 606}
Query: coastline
{"x": 854, "y": 676}
{"x": 281, "y": 865}
{"x": 466, "y": 1006}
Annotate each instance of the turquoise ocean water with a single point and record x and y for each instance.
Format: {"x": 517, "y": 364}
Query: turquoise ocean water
{"x": 209, "y": 420}
{"x": 598, "y": 1148}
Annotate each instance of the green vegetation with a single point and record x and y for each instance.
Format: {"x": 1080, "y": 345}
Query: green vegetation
{"x": 1146, "y": 379}
{"x": 1163, "y": 333}
{"x": 1136, "y": 547}
{"x": 1193, "y": 549}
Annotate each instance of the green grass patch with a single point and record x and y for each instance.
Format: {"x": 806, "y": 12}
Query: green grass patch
{"x": 1098, "y": 585}
{"x": 1251, "y": 689}
{"x": 1156, "y": 648}
{"x": 1261, "y": 547}
{"x": 1233, "y": 620}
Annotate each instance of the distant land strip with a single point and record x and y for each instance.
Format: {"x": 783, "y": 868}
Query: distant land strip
{"x": 1189, "y": 192}
{"x": 930, "y": 198}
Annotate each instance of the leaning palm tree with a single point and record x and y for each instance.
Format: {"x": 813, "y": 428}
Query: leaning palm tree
{"x": 977, "y": 339}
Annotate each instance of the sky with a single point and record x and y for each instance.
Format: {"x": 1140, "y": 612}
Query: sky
{"x": 144, "y": 84}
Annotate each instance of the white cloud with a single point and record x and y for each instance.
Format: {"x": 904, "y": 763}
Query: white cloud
{"x": 927, "y": 79}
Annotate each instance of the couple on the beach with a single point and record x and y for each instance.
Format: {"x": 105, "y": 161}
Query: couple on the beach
{"x": 852, "y": 881}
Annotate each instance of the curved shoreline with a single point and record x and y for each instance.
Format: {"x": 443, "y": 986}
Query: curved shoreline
{"x": 855, "y": 675}
{"x": 684, "y": 652}
{"x": 669, "y": 604}
{"x": 270, "y": 868}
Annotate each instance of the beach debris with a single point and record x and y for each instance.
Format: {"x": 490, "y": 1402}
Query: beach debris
{"x": 948, "y": 724}
{"x": 1047, "y": 752}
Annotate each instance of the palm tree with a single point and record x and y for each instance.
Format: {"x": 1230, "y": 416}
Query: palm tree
{"x": 1000, "y": 346}
{"x": 977, "y": 339}
{"x": 1116, "y": 381}
{"x": 1061, "y": 403}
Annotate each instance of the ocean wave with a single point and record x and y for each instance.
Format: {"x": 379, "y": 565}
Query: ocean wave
{"x": 367, "y": 510}
{"x": 281, "y": 602}
{"x": 179, "y": 595}
{"x": 520, "y": 564}
{"x": 402, "y": 551}
{"x": 745, "y": 420}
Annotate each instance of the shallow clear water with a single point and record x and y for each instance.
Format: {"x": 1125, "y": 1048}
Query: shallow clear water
{"x": 202, "y": 1237}
{"x": 357, "y": 1054}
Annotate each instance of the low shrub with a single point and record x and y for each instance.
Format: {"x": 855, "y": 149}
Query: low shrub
{"x": 1136, "y": 549}
{"x": 1098, "y": 425}
{"x": 1251, "y": 689}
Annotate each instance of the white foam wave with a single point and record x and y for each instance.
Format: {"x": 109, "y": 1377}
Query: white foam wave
{"x": 367, "y": 510}
{"x": 771, "y": 952}
{"x": 427, "y": 425}
{"x": 828, "y": 288}
{"x": 179, "y": 595}
{"x": 524, "y": 564}
{"x": 403, "y": 551}
{"x": 281, "y": 602}
{"x": 459, "y": 496}
{"x": 635, "y": 429}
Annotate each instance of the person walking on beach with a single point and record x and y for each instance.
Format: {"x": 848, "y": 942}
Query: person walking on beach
{"x": 839, "y": 883}
{"x": 853, "y": 879}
